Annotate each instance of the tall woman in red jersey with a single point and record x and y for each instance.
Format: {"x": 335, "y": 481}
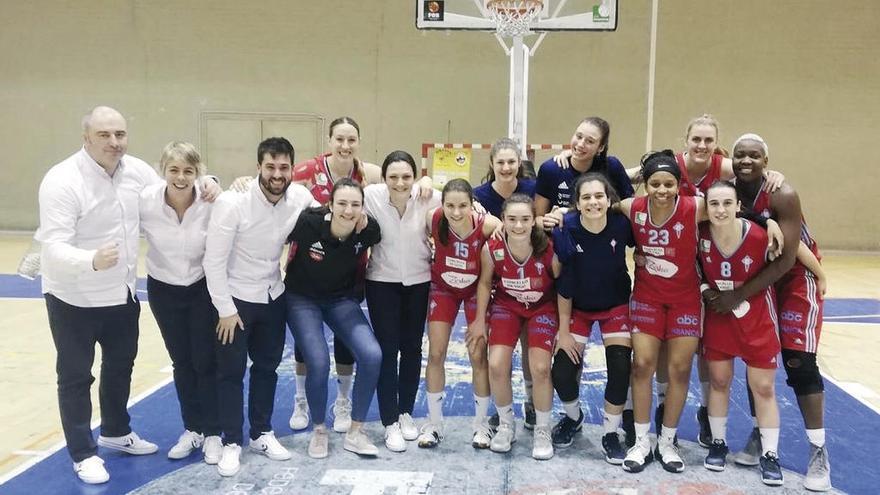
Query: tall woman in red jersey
{"x": 732, "y": 251}
{"x": 459, "y": 234}
{"x": 665, "y": 304}
{"x": 522, "y": 268}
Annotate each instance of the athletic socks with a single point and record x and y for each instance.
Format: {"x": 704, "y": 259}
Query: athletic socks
{"x": 769, "y": 440}
{"x": 610, "y": 422}
{"x": 505, "y": 414}
{"x": 542, "y": 418}
{"x": 481, "y": 408}
{"x": 572, "y": 409}
{"x": 667, "y": 435}
{"x": 642, "y": 429}
{"x": 300, "y": 386}
{"x": 435, "y": 408}
{"x": 718, "y": 425}
{"x": 817, "y": 437}
{"x": 343, "y": 386}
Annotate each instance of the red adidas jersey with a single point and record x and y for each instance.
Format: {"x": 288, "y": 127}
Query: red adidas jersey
{"x": 456, "y": 265}
{"x": 666, "y": 255}
{"x": 315, "y": 175}
{"x": 522, "y": 286}
{"x": 713, "y": 173}
{"x": 755, "y": 317}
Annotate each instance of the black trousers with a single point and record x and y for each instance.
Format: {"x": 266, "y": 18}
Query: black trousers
{"x": 188, "y": 323}
{"x": 397, "y": 314}
{"x": 75, "y": 331}
{"x": 263, "y": 340}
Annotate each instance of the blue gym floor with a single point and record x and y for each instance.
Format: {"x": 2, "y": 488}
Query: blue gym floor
{"x": 851, "y": 425}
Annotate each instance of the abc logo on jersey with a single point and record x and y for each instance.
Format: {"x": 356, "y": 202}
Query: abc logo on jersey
{"x": 687, "y": 320}
{"x": 546, "y": 320}
{"x": 791, "y": 316}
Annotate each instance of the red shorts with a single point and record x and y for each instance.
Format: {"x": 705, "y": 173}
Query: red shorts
{"x": 505, "y": 325}
{"x": 613, "y": 322}
{"x": 754, "y": 339}
{"x": 444, "y": 304}
{"x": 800, "y": 310}
{"x": 666, "y": 321}
{"x": 767, "y": 363}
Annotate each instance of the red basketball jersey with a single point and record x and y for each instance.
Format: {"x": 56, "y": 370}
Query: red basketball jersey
{"x": 755, "y": 317}
{"x": 666, "y": 255}
{"x": 315, "y": 175}
{"x": 699, "y": 188}
{"x": 456, "y": 265}
{"x": 522, "y": 286}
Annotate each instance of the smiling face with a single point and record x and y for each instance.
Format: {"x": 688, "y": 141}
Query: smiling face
{"x": 347, "y": 206}
{"x": 106, "y": 137}
{"x": 399, "y": 178}
{"x": 457, "y": 207}
{"x": 593, "y": 201}
{"x": 274, "y": 174}
{"x": 586, "y": 142}
{"x": 701, "y": 143}
{"x": 505, "y": 165}
{"x": 722, "y": 205}
{"x": 518, "y": 219}
{"x": 662, "y": 187}
{"x": 180, "y": 176}
{"x": 344, "y": 141}
{"x": 749, "y": 160}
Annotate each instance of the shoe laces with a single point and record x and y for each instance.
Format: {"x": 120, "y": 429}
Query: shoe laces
{"x": 342, "y": 406}
{"x": 820, "y": 459}
{"x": 542, "y": 433}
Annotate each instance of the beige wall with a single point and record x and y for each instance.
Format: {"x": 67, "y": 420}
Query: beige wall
{"x": 805, "y": 77}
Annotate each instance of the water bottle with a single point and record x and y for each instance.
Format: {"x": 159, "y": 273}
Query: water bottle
{"x": 29, "y": 266}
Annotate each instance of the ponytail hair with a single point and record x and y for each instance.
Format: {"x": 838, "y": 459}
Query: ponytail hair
{"x": 459, "y": 185}
{"x": 538, "y": 238}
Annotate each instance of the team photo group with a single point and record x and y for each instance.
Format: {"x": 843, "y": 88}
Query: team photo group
{"x": 723, "y": 266}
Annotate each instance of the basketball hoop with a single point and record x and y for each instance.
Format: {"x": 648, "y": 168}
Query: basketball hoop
{"x": 513, "y": 17}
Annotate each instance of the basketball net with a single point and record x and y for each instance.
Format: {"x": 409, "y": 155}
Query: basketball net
{"x": 513, "y": 17}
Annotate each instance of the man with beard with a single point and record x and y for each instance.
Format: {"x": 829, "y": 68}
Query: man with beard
{"x": 246, "y": 236}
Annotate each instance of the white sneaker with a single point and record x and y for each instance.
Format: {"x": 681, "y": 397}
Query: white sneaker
{"x": 91, "y": 470}
{"x": 319, "y": 444}
{"x": 186, "y": 444}
{"x": 504, "y": 438}
{"x": 230, "y": 460}
{"x": 358, "y": 442}
{"x": 213, "y": 449}
{"x": 818, "y": 477}
{"x": 268, "y": 445}
{"x": 670, "y": 459}
{"x": 482, "y": 436}
{"x": 394, "y": 438}
{"x": 408, "y": 427}
{"x": 542, "y": 445}
{"x": 430, "y": 436}
{"x": 299, "y": 420}
{"x": 131, "y": 443}
{"x": 639, "y": 455}
{"x": 342, "y": 413}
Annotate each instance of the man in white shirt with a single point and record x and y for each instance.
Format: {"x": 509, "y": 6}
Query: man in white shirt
{"x": 89, "y": 235}
{"x": 246, "y": 236}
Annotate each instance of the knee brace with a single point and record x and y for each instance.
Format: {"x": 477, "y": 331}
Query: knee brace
{"x": 566, "y": 377}
{"x": 619, "y": 364}
{"x": 803, "y": 373}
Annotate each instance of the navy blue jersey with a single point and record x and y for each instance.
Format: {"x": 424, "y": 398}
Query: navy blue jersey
{"x": 594, "y": 273}
{"x": 492, "y": 201}
{"x": 555, "y": 183}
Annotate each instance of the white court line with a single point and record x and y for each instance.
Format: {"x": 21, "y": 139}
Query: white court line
{"x": 42, "y": 455}
{"x": 842, "y": 386}
{"x": 850, "y": 316}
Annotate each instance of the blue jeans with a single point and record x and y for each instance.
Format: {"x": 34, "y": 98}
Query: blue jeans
{"x": 306, "y": 317}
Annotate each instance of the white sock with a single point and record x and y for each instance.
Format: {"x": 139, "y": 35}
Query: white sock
{"x": 610, "y": 422}
{"x": 770, "y": 440}
{"x": 505, "y": 414}
{"x": 668, "y": 434}
{"x": 572, "y": 409}
{"x": 704, "y": 389}
{"x": 661, "y": 392}
{"x": 300, "y": 386}
{"x": 718, "y": 425}
{"x": 435, "y": 408}
{"x": 343, "y": 386}
{"x": 481, "y": 408}
{"x": 642, "y": 429}
{"x": 817, "y": 437}
{"x": 527, "y": 388}
{"x": 542, "y": 418}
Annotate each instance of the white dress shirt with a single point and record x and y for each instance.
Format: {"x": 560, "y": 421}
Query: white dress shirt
{"x": 404, "y": 254}
{"x": 83, "y": 208}
{"x": 176, "y": 247}
{"x": 246, "y": 237}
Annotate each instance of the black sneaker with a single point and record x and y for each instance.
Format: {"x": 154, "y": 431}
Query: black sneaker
{"x": 658, "y": 423}
{"x": 717, "y": 458}
{"x": 629, "y": 427}
{"x": 614, "y": 453}
{"x": 564, "y": 431}
{"x": 705, "y": 436}
{"x": 529, "y": 416}
{"x": 771, "y": 474}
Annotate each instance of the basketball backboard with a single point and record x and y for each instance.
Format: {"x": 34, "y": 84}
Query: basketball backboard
{"x": 556, "y": 15}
